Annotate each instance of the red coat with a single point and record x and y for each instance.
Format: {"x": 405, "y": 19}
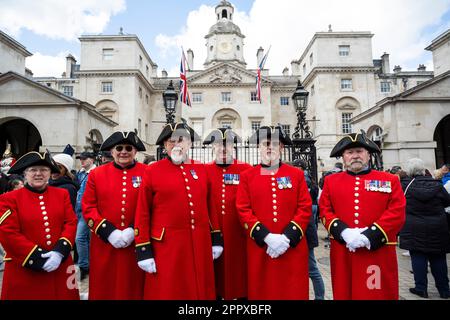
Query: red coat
{"x": 231, "y": 267}
{"x": 348, "y": 201}
{"x": 109, "y": 203}
{"x": 33, "y": 223}
{"x": 173, "y": 226}
{"x": 265, "y": 208}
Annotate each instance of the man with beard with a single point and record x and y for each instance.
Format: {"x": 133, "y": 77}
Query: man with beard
{"x": 363, "y": 210}
{"x": 274, "y": 207}
{"x": 109, "y": 205}
{"x": 176, "y": 241}
{"x": 225, "y": 172}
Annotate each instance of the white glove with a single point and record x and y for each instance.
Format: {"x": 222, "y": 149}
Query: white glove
{"x": 53, "y": 262}
{"x": 354, "y": 238}
{"x": 128, "y": 236}
{"x": 217, "y": 252}
{"x": 279, "y": 243}
{"x": 148, "y": 265}
{"x": 272, "y": 253}
{"x": 116, "y": 240}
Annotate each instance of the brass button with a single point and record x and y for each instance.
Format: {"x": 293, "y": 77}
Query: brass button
{"x": 124, "y": 178}
{"x": 42, "y": 208}
{"x": 41, "y": 203}
{"x": 46, "y": 224}
{"x": 258, "y": 228}
{"x": 356, "y": 208}
{"x": 193, "y": 227}
{"x": 143, "y": 249}
{"x": 30, "y": 262}
{"x": 246, "y": 226}
{"x": 356, "y": 194}
{"x": 273, "y": 179}
{"x": 335, "y": 224}
{"x": 123, "y": 217}
{"x": 48, "y": 236}
{"x": 188, "y": 188}
{"x": 181, "y": 167}
{"x": 44, "y": 212}
{"x": 104, "y": 225}
{"x": 192, "y": 212}
{"x": 275, "y": 213}
{"x": 124, "y": 196}
{"x": 124, "y": 190}
{"x": 186, "y": 180}
{"x": 123, "y": 209}
{"x": 123, "y": 202}
{"x": 49, "y": 243}
{"x": 374, "y": 228}
{"x": 294, "y": 228}
{"x": 39, "y": 249}
{"x": 275, "y": 207}
{"x": 358, "y": 183}
{"x": 356, "y": 221}
{"x": 65, "y": 243}
{"x": 192, "y": 221}
{"x": 45, "y": 218}
{"x": 275, "y": 220}
{"x": 191, "y": 204}
{"x": 124, "y": 183}
{"x": 47, "y": 230}
{"x": 356, "y": 215}
{"x": 41, "y": 197}
{"x": 356, "y": 201}
{"x": 357, "y": 188}
{"x": 124, "y": 172}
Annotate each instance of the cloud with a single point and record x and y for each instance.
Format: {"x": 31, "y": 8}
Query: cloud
{"x": 57, "y": 19}
{"x": 402, "y": 28}
{"x": 47, "y": 66}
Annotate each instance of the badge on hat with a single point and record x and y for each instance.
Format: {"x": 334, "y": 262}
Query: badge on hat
{"x": 136, "y": 181}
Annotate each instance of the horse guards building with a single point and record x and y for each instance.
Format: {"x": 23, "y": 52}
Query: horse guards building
{"x": 117, "y": 87}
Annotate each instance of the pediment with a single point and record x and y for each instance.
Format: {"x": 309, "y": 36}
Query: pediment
{"x": 225, "y": 73}
{"x": 435, "y": 89}
{"x": 16, "y": 89}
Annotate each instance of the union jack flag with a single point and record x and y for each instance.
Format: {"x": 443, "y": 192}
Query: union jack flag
{"x": 258, "y": 76}
{"x": 184, "y": 93}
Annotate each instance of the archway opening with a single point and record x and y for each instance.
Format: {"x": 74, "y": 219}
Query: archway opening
{"x": 21, "y": 134}
{"x": 442, "y": 138}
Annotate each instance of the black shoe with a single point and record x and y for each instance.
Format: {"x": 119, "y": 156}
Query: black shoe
{"x": 422, "y": 294}
{"x": 83, "y": 273}
{"x": 444, "y": 295}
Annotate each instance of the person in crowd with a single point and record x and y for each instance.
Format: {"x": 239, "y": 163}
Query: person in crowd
{"x": 106, "y": 157}
{"x": 274, "y": 207}
{"x": 109, "y": 206}
{"x": 224, "y": 173}
{"x": 37, "y": 230}
{"x": 64, "y": 178}
{"x": 149, "y": 160}
{"x": 176, "y": 239}
{"x": 15, "y": 182}
{"x": 363, "y": 210}
{"x": 311, "y": 234}
{"x": 445, "y": 173}
{"x": 425, "y": 233}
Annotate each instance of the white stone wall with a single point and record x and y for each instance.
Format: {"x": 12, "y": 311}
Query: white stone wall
{"x": 11, "y": 60}
{"x": 441, "y": 57}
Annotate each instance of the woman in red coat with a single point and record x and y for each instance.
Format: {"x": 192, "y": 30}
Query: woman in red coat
{"x": 274, "y": 207}
{"x": 224, "y": 174}
{"x": 109, "y": 205}
{"x": 37, "y": 230}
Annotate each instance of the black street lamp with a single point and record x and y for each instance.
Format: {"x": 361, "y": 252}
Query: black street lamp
{"x": 303, "y": 148}
{"x": 170, "y": 98}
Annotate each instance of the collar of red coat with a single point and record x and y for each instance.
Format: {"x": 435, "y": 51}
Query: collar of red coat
{"x": 35, "y": 190}
{"x": 361, "y": 173}
{"x": 131, "y": 166}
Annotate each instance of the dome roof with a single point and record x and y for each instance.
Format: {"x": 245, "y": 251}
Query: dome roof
{"x": 225, "y": 26}
{"x": 224, "y": 3}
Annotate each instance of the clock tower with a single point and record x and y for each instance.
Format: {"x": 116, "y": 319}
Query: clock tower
{"x": 224, "y": 42}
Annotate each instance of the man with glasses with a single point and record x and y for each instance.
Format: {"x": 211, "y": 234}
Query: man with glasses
{"x": 224, "y": 173}
{"x": 176, "y": 241}
{"x": 109, "y": 205}
{"x": 274, "y": 207}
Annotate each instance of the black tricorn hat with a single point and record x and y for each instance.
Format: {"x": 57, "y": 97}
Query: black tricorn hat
{"x": 122, "y": 138}
{"x": 222, "y": 135}
{"x": 354, "y": 140}
{"x": 31, "y": 159}
{"x": 178, "y": 129}
{"x": 272, "y": 132}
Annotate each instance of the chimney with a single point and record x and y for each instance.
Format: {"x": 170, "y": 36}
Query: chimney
{"x": 190, "y": 59}
{"x": 385, "y": 67}
{"x": 286, "y": 72}
{"x": 397, "y": 69}
{"x": 295, "y": 67}
{"x": 70, "y": 62}
{"x": 421, "y": 68}
{"x": 164, "y": 73}
{"x": 259, "y": 56}
{"x": 154, "y": 70}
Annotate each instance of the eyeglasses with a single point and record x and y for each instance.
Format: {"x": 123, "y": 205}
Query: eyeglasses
{"x": 127, "y": 148}
{"x": 36, "y": 170}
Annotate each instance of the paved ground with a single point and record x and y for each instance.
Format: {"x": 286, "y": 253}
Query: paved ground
{"x": 322, "y": 254}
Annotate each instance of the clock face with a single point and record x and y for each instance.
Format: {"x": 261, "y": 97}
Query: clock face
{"x": 225, "y": 47}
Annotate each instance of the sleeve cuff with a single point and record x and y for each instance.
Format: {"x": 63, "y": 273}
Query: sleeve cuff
{"x": 294, "y": 233}
{"x": 217, "y": 238}
{"x": 335, "y": 229}
{"x": 258, "y": 233}
{"x": 63, "y": 246}
{"x": 376, "y": 236}
{"x": 34, "y": 260}
{"x": 144, "y": 251}
{"x": 104, "y": 229}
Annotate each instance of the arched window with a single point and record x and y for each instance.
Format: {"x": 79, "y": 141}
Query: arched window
{"x": 224, "y": 14}
{"x": 238, "y": 48}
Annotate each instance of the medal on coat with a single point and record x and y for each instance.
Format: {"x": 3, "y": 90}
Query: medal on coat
{"x": 227, "y": 179}
{"x": 236, "y": 179}
{"x": 194, "y": 174}
{"x": 289, "y": 182}
{"x": 136, "y": 181}
{"x": 280, "y": 183}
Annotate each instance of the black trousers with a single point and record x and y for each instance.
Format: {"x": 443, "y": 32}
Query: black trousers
{"x": 438, "y": 265}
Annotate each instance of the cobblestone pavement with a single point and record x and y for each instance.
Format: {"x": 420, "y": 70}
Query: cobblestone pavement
{"x": 406, "y": 279}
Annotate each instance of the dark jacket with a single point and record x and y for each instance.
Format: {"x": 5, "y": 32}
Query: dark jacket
{"x": 311, "y": 230}
{"x": 3, "y": 183}
{"x": 426, "y": 228}
{"x": 69, "y": 185}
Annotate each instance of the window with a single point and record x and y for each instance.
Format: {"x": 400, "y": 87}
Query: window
{"x": 344, "y": 51}
{"x": 107, "y": 87}
{"x": 238, "y": 48}
{"x": 107, "y": 54}
{"x": 146, "y": 132}
{"x": 346, "y": 125}
{"x": 140, "y": 92}
{"x": 313, "y": 90}
{"x": 255, "y": 126}
{"x": 139, "y": 127}
{"x": 253, "y": 96}
{"x": 311, "y": 59}
{"x": 146, "y": 99}
{"x": 146, "y": 70}
{"x": 284, "y": 101}
{"x": 346, "y": 84}
{"x": 198, "y": 127}
{"x": 226, "y": 124}
{"x": 68, "y": 91}
{"x": 197, "y": 97}
{"x": 304, "y": 69}
{"x": 140, "y": 61}
{"x": 286, "y": 128}
{"x": 226, "y": 97}
{"x": 385, "y": 87}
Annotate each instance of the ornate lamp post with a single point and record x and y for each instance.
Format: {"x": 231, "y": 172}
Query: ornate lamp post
{"x": 303, "y": 142}
{"x": 170, "y": 98}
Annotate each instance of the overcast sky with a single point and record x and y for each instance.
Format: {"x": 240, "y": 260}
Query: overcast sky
{"x": 50, "y": 28}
